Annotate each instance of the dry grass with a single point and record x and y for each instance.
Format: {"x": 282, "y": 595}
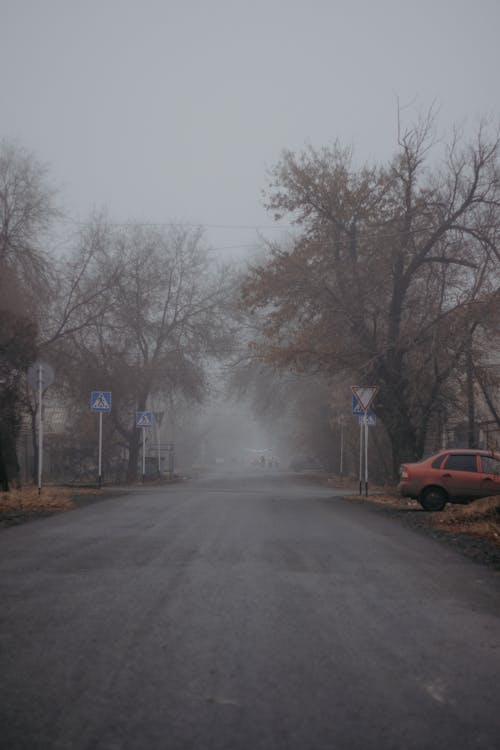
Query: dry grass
{"x": 481, "y": 518}
{"x": 49, "y": 499}
{"x": 379, "y": 496}
{"x": 391, "y": 498}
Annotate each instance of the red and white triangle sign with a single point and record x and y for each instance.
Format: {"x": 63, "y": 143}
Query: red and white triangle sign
{"x": 364, "y": 395}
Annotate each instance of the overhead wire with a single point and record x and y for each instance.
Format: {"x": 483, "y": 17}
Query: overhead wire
{"x": 89, "y": 222}
{"x": 370, "y": 234}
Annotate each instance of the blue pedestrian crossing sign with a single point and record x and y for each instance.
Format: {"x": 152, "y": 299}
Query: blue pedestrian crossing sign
{"x": 368, "y": 418}
{"x": 143, "y": 419}
{"x": 356, "y": 406}
{"x": 100, "y": 401}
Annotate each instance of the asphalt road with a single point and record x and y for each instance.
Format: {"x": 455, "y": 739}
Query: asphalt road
{"x": 243, "y": 612}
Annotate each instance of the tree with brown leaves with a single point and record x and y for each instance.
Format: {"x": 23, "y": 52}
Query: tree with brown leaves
{"x": 387, "y": 275}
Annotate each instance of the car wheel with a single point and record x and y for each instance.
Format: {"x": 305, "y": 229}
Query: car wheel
{"x": 433, "y": 499}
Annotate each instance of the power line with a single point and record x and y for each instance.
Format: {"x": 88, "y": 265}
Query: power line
{"x": 202, "y": 225}
{"x": 364, "y": 235}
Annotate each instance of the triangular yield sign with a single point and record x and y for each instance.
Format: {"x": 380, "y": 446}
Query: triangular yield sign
{"x": 364, "y": 395}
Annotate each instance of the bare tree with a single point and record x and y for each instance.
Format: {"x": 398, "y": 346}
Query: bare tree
{"x": 27, "y": 210}
{"x": 78, "y": 296}
{"x": 164, "y": 317}
{"x": 17, "y": 350}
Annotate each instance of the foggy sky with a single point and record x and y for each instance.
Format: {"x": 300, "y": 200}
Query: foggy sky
{"x": 164, "y": 110}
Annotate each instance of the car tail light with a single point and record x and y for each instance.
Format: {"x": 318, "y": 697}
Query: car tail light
{"x": 404, "y": 472}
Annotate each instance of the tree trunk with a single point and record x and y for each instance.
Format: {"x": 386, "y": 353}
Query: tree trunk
{"x": 34, "y": 443}
{"x": 4, "y": 477}
{"x": 471, "y": 416}
{"x": 403, "y": 449}
{"x": 9, "y": 430}
{"x": 133, "y": 456}
{"x": 402, "y": 435}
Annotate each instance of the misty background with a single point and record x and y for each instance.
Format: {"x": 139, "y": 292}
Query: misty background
{"x": 160, "y": 113}
{"x": 173, "y": 110}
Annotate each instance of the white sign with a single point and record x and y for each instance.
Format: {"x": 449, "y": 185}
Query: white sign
{"x": 40, "y": 373}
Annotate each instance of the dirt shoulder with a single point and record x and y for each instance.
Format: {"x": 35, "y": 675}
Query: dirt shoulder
{"x": 26, "y": 504}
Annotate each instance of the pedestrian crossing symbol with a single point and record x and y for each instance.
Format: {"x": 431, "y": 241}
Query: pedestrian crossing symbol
{"x": 143, "y": 419}
{"x": 100, "y": 401}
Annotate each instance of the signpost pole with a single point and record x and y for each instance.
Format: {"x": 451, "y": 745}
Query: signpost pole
{"x": 366, "y": 454}
{"x": 100, "y": 401}
{"x": 143, "y": 454}
{"x": 143, "y": 419}
{"x": 171, "y": 460}
{"x": 157, "y": 417}
{"x": 158, "y": 449}
{"x": 341, "y": 449}
{"x": 341, "y": 422}
{"x": 99, "y": 477}
{"x": 40, "y": 375}
{"x": 40, "y": 427}
{"x": 363, "y": 398}
{"x": 361, "y": 459}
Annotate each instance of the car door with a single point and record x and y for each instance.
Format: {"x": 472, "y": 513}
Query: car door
{"x": 489, "y": 476}
{"x": 459, "y": 475}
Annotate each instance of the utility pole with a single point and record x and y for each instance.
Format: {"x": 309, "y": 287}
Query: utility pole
{"x": 341, "y": 422}
{"x": 471, "y": 410}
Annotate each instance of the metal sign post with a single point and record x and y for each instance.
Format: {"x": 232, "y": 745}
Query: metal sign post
{"x": 40, "y": 426}
{"x": 143, "y": 419}
{"x": 360, "y": 456}
{"x": 100, "y": 401}
{"x": 99, "y": 469}
{"x": 158, "y": 415}
{"x": 40, "y": 375}
{"x": 361, "y": 402}
{"x": 143, "y": 454}
{"x": 158, "y": 450}
{"x": 171, "y": 449}
{"x": 365, "y": 420}
{"x": 341, "y": 423}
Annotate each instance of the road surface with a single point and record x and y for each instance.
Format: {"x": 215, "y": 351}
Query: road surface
{"x": 242, "y": 612}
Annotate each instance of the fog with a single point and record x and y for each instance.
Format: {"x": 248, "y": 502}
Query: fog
{"x": 160, "y": 113}
{"x": 230, "y": 435}
{"x": 174, "y": 111}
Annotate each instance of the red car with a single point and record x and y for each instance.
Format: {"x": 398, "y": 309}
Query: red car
{"x": 454, "y": 475}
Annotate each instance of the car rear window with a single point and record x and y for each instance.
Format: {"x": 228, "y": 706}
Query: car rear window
{"x": 490, "y": 464}
{"x": 438, "y": 461}
{"x": 461, "y": 462}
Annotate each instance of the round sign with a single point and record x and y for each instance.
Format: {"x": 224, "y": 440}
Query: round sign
{"x": 40, "y": 369}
